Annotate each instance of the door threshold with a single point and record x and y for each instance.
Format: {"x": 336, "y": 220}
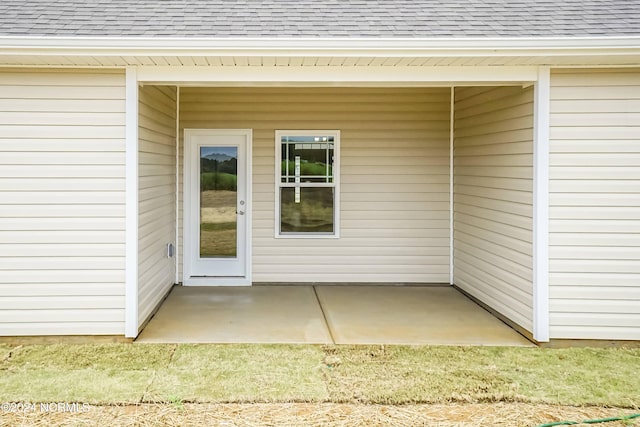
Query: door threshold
{"x": 216, "y": 281}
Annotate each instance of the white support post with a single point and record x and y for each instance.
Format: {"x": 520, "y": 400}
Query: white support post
{"x": 177, "y": 249}
{"x": 541, "y": 206}
{"x": 131, "y": 207}
{"x": 451, "y": 140}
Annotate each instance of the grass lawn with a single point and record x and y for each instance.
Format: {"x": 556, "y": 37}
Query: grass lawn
{"x": 136, "y": 373}
{"x": 260, "y": 385}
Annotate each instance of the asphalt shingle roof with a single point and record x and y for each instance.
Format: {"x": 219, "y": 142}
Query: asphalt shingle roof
{"x": 320, "y": 18}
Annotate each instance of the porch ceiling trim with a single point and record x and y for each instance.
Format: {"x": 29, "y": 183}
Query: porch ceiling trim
{"x": 370, "y": 76}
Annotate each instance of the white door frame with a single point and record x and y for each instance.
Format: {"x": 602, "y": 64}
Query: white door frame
{"x": 189, "y": 205}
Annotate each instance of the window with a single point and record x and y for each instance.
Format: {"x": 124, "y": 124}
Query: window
{"x": 307, "y": 176}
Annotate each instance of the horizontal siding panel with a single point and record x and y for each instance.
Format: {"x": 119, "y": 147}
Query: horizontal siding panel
{"x": 15, "y": 264}
{"x": 156, "y": 196}
{"x": 62, "y": 171}
{"x": 315, "y": 270}
{"x": 587, "y": 172}
{"x": 62, "y": 184}
{"x": 357, "y": 277}
{"x": 95, "y": 147}
{"x": 62, "y": 158}
{"x": 351, "y": 245}
{"x": 493, "y": 237}
{"x": 594, "y": 252}
{"x": 598, "y": 146}
{"x": 78, "y": 131}
{"x": 62, "y": 211}
{"x": 595, "y": 132}
{"x": 489, "y": 224}
{"x": 394, "y": 252}
{"x": 61, "y": 236}
{"x": 617, "y": 332}
{"x": 519, "y": 221}
{"x": 66, "y": 92}
{"x": 394, "y": 170}
{"x": 594, "y": 186}
{"x": 600, "y": 278}
{"x": 625, "y": 293}
{"x": 595, "y": 306}
{"x": 60, "y": 249}
{"x": 595, "y": 92}
{"x": 595, "y": 212}
{"x": 62, "y": 198}
{"x": 518, "y": 172}
{"x": 495, "y": 160}
{"x": 520, "y": 209}
{"x": 61, "y": 105}
{"x": 469, "y": 259}
{"x": 62, "y": 152}
{"x": 594, "y": 199}
{"x": 77, "y": 275}
{"x": 517, "y": 263}
{"x": 625, "y": 322}
{"x": 594, "y": 239}
{"x": 61, "y": 289}
{"x": 595, "y": 119}
{"x": 594, "y": 266}
{"x": 65, "y": 302}
{"x": 66, "y": 315}
{"x": 493, "y": 197}
{"x": 597, "y": 160}
{"x": 594, "y": 226}
{"x": 560, "y": 106}
{"x": 18, "y": 118}
{"x": 499, "y": 303}
{"x": 62, "y": 328}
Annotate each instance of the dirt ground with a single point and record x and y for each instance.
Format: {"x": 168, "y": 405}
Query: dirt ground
{"x": 318, "y": 414}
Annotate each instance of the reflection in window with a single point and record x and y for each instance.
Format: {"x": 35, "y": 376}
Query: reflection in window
{"x": 307, "y": 182}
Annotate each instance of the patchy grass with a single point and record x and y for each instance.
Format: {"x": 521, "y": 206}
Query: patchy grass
{"x": 401, "y": 374}
{"x": 129, "y": 374}
{"x": 242, "y": 373}
{"x": 95, "y": 356}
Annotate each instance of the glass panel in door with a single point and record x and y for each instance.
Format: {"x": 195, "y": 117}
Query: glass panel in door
{"x": 218, "y": 202}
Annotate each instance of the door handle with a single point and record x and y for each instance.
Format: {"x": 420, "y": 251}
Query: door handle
{"x": 240, "y": 212}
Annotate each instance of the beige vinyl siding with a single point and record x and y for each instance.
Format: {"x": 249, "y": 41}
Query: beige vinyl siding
{"x": 156, "y": 192}
{"x": 493, "y": 185}
{"x": 394, "y": 178}
{"x": 595, "y": 204}
{"x": 62, "y": 202}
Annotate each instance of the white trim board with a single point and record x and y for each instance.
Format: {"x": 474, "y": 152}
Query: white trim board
{"x": 400, "y": 46}
{"x": 362, "y": 76}
{"x": 541, "y": 206}
{"x": 131, "y": 208}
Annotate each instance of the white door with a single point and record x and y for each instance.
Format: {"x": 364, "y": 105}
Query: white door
{"x": 216, "y": 206}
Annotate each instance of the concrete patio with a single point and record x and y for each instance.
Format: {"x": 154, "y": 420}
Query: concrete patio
{"x": 326, "y": 314}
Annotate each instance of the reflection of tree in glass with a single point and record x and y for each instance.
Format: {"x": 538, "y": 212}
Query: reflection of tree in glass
{"x": 218, "y": 175}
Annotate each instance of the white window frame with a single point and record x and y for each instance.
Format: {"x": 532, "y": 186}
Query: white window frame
{"x": 335, "y": 184}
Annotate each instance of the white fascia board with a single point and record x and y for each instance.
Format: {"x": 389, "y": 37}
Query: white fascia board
{"x": 388, "y": 47}
{"x": 375, "y": 75}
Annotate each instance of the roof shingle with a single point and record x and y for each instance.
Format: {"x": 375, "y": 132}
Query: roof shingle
{"x": 320, "y": 18}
